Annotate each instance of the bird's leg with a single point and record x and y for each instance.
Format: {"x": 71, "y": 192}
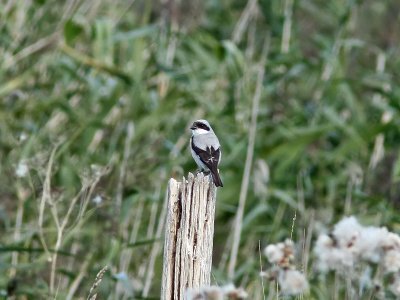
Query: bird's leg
{"x": 202, "y": 171}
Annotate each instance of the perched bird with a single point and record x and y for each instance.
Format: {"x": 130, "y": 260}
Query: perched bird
{"x": 206, "y": 149}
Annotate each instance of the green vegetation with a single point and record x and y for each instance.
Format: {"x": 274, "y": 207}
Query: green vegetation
{"x": 96, "y": 98}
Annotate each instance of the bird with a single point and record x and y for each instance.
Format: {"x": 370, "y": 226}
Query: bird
{"x": 206, "y": 150}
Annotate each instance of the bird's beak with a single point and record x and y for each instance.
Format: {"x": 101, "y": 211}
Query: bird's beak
{"x": 193, "y": 127}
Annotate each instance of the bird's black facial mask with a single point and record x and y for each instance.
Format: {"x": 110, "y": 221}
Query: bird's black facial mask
{"x": 198, "y": 125}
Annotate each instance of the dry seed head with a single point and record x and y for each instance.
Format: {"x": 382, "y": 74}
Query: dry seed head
{"x": 292, "y": 282}
{"x": 281, "y": 254}
{"x": 216, "y": 293}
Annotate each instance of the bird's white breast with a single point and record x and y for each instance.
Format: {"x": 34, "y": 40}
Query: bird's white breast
{"x": 199, "y": 131}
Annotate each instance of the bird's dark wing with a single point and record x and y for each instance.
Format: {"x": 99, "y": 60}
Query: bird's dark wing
{"x": 209, "y": 156}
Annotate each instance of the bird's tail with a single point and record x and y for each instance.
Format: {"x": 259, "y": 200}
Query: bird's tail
{"x": 217, "y": 180}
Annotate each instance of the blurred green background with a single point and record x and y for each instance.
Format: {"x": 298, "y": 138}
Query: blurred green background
{"x": 96, "y": 100}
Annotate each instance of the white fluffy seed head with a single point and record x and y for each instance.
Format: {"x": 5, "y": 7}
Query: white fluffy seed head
{"x": 281, "y": 253}
{"x": 351, "y": 243}
{"x": 330, "y": 256}
{"x": 391, "y": 261}
{"x": 216, "y": 293}
{"x": 274, "y": 253}
{"x": 292, "y": 282}
{"x": 369, "y": 244}
{"x": 391, "y": 241}
{"x": 22, "y": 169}
{"x": 347, "y": 231}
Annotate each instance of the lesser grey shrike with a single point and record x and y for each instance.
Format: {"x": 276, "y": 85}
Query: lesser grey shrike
{"x": 206, "y": 149}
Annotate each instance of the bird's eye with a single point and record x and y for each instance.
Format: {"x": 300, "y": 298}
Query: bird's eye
{"x": 203, "y": 126}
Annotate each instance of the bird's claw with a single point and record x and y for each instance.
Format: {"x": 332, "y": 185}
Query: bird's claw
{"x": 202, "y": 171}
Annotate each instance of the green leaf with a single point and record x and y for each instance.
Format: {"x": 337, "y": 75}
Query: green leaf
{"x": 71, "y": 31}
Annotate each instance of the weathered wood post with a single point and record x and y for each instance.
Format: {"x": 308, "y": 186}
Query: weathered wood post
{"x": 189, "y": 236}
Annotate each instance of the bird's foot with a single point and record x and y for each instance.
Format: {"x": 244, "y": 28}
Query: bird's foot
{"x": 202, "y": 171}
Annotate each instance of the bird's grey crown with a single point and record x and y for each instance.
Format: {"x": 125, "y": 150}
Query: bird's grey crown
{"x": 203, "y": 122}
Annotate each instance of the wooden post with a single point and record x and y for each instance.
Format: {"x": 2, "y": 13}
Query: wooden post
{"x": 189, "y": 236}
